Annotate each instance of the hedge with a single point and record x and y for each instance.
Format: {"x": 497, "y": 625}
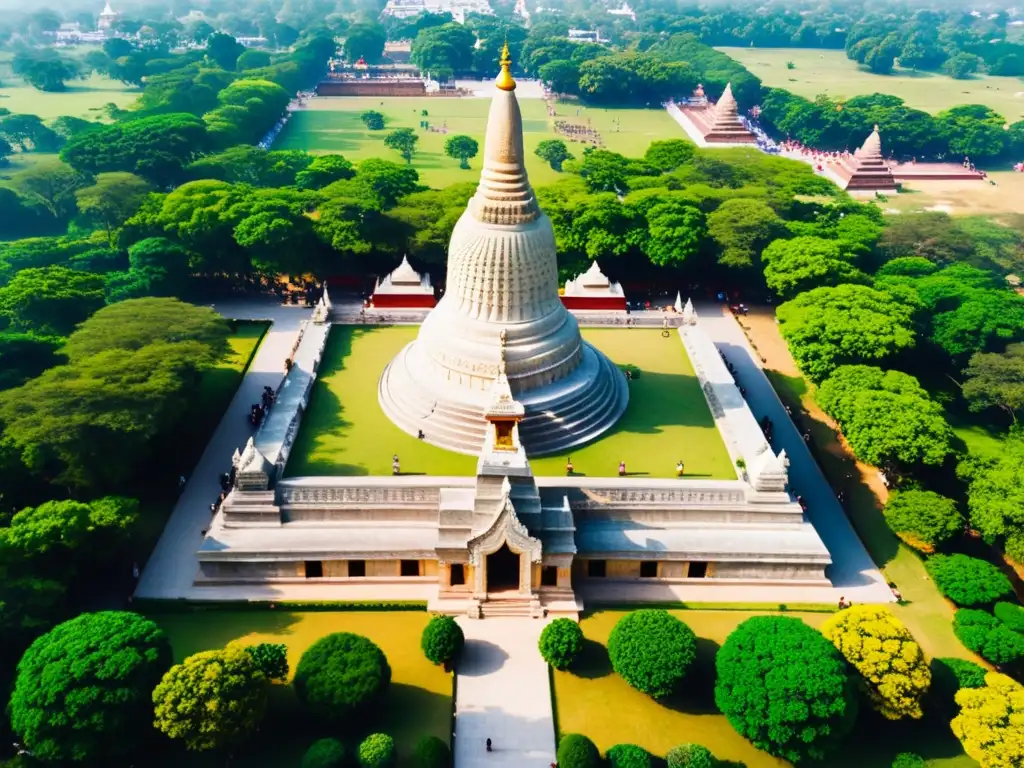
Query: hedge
{"x": 968, "y": 581}
{"x": 325, "y": 753}
{"x": 652, "y": 650}
{"x": 984, "y": 634}
{"x": 561, "y": 642}
{"x": 628, "y": 756}
{"x": 577, "y": 751}
{"x": 342, "y": 676}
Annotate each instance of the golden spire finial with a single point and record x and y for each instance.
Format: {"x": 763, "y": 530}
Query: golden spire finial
{"x": 504, "y": 80}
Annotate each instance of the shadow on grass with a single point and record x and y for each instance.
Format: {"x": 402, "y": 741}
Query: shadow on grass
{"x": 593, "y": 661}
{"x": 204, "y": 630}
{"x": 696, "y": 694}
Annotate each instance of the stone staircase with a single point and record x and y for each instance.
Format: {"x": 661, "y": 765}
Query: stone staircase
{"x": 511, "y": 605}
{"x": 568, "y": 413}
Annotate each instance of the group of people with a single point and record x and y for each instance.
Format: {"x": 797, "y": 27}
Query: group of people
{"x": 577, "y": 132}
{"x": 258, "y": 411}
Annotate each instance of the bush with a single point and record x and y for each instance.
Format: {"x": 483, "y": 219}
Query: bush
{"x": 690, "y": 756}
{"x": 984, "y": 634}
{"x": 949, "y": 675}
{"x": 988, "y": 724}
{"x": 1011, "y": 614}
{"x": 325, "y": 753}
{"x": 377, "y": 751}
{"x": 271, "y": 659}
{"x": 908, "y": 760}
{"x": 892, "y": 666}
{"x": 442, "y": 640}
{"x": 968, "y": 581}
{"x": 561, "y": 642}
{"x": 106, "y": 664}
{"x": 628, "y": 756}
{"x": 577, "y": 751}
{"x": 431, "y": 752}
{"x": 652, "y": 650}
{"x": 924, "y": 520}
{"x": 342, "y": 676}
{"x": 784, "y": 687}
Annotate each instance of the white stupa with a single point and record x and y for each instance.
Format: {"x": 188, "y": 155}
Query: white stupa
{"x": 107, "y": 17}
{"x": 502, "y": 293}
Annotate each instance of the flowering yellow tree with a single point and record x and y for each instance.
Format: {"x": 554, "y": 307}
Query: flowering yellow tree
{"x": 991, "y": 722}
{"x": 890, "y": 662}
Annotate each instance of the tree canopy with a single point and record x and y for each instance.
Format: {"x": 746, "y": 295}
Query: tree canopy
{"x": 652, "y": 650}
{"x": 924, "y": 520}
{"x": 82, "y": 690}
{"x": 995, "y": 498}
{"x": 989, "y": 724}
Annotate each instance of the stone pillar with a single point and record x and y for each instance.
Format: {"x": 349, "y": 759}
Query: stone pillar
{"x": 525, "y": 574}
{"x": 480, "y": 578}
{"x": 565, "y": 577}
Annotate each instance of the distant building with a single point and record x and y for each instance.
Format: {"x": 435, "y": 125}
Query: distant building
{"x": 586, "y": 36}
{"x": 108, "y": 17}
{"x": 404, "y": 9}
{"x": 623, "y": 10}
{"x": 253, "y": 42}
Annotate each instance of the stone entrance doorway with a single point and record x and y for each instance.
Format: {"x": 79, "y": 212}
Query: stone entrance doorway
{"x": 503, "y": 570}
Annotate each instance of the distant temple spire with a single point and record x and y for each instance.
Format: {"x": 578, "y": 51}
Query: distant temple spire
{"x": 866, "y": 170}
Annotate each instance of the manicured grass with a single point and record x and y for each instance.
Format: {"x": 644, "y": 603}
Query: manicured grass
{"x": 344, "y": 431}
{"x": 830, "y": 72}
{"x": 965, "y": 198}
{"x": 83, "y": 98}
{"x": 419, "y": 701}
{"x": 593, "y": 700}
{"x": 333, "y": 125}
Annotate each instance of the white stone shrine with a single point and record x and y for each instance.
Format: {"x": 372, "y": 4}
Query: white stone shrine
{"x": 502, "y": 293}
{"x": 592, "y": 291}
{"x": 403, "y": 288}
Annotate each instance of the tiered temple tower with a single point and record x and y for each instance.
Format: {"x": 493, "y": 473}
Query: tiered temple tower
{"x": 725, "y": 126}
{"x": 502, "y": 293}
{"x": 866, "y": 170}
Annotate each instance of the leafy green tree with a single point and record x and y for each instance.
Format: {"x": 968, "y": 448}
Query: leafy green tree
{"x": 949, "y": 675}
{"x": 1011, "y": 614}
{"x": 784, "y": 687}
{"x": 996, "y": 380}
{"x": 668, "y": 154}
{"x": 431, "y": 752}
{"x": 50, "y": 300}
{"x": 212, "y": 699}
{"x": 442, "y": 640}
{"x": 112, "y": 199}
{"x": 676, "y": 233}
{"x": 324, "y": 753}
{"x": 892, "y": 665}
{"x": 403, "y": 141}
{"x": 798, "y": 265}
{"x": 373, "y": 120}
{"x": 924, "y": 520}
{"x": 53, "y": 184}
{"x": 82, "y": 689}
{"x": 386, "y": 181}
{"x": 461, "y": 148}
{"x": 6, "y": 150}
{"x": 342, "y": 677}
{"x": 164, "y": 263}
{"x": 252, "y": 59}
{"x": 443, "y": 51}
{"x": 577, "y": 751}
{"x": 690, "y": 756}
{"x": 742, "y": 228}
{"x": 962, "y": 65}
{"x": 377, "y": 751}
{"x": 652, "y": 650}
{"x": 366, "y": 40}
{"x": 45, "y": 70}
{"x": 271, "y": 659}
{"x": 561, "y": 76}
{"x": 886, "y": 416}
{"x": 984, "y": 634}
{"x": 968, "y": 581}
{"x": 252, "y": 165}
{"x": 24, "y": 356}
{"x": 553, "y": 152}
{"x": 908, "y": 760}
{"x": 989, "y": 725}
{"x": 324, "y": 170}
{"x": 561, "y": 643}
{"x": 832, "y": 326}
{"x": 28, "y": 133}
{"x": 628, "y": 756}
{"x": 422, "y": 222}
{"x": 223, "y": 50}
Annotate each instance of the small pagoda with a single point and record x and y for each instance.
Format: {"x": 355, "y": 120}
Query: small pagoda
{"x": 593, "y": 291}
{"x": 866, "y": 170}
{"x": 717, "y": 125}
{"x": 403, "y": 288}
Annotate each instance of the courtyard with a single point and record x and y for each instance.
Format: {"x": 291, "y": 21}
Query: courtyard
{"x": 419, "y": 699}
{"x": 344, "y": 431}
{"x": 332, "y": 124}
{"x": 593, "y": 700}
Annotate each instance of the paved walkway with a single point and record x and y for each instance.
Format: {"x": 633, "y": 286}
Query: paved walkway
{"x": 503, "y": 694}
{"x": 172, "y": 567}
{"x": 853, "y": 573}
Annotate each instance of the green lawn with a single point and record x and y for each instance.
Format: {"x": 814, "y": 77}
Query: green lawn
{"x": 830, "y": 72}
{"x": 83, "y": 98}
{"x": 593, "y": 700}
{"x": 344, "y": 431}
{"x": 419, "y": 701}
{"x": 334, "y": 126}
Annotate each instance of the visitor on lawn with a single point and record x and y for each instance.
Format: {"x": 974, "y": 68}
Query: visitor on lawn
{"x": 622, "y": 469}
{"x": 679, "y": 468}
